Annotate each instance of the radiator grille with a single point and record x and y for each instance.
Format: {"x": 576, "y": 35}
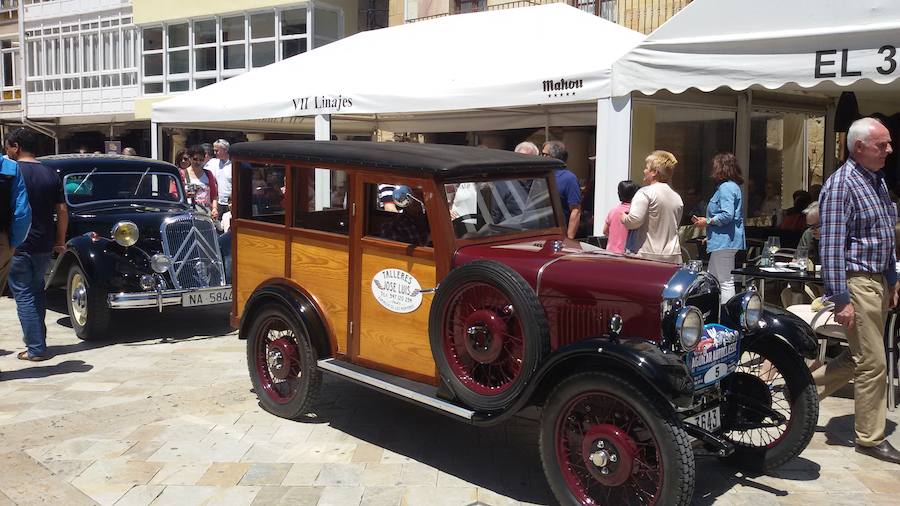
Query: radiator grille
{"x": 192, "y": 243}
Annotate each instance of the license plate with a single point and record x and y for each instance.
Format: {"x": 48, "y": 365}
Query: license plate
{"x": 715, "y": 356}
{"x": 206, "y": 297}
{"x": 710, "y": 420}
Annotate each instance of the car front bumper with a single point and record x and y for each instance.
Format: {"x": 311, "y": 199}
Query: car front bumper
{"x": 155, "y": 299}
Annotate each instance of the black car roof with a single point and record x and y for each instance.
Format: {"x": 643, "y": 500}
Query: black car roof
{"x": 435, "y": 159}
{"x": 80, "y": 162}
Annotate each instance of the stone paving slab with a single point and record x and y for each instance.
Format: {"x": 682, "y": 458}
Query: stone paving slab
{"x": 165, "y": 415}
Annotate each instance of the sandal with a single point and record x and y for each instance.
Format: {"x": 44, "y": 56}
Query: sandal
{"x": 23, "y": 355}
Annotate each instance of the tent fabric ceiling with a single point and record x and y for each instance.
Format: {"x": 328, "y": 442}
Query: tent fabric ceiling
{"x": 818, "y": 45}
{"x": 541, "y": 55}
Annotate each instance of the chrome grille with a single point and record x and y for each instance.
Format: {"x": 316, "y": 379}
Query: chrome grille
{"x": 191, "y": 241}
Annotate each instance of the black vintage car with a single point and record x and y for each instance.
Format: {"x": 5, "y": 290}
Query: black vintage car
{"x": 134, "y": 241}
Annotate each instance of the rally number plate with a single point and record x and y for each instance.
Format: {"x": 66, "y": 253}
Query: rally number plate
{"x": 206, "y": 297}
{"x": 715, "y": 356}
{"x": 710, "y": 420}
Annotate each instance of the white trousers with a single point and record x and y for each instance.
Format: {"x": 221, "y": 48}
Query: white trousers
{"x": 721, "y": 263}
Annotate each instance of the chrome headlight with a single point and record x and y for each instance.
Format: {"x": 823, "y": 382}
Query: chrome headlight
{"x": 751, "y": 311}
{"x": 689, "y": 327}
{"x": 160, "y": 263}
{"x": 125, "y": 233}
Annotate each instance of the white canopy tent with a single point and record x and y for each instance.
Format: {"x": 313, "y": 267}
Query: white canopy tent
{"x": 815, "y": 47}
{"x": 509, "y": 68}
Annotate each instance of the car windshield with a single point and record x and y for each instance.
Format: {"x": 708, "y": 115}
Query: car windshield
{"x": 93, "y": 186}
{"x": 486, "y": 209}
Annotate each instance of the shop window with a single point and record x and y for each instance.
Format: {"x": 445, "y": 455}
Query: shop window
{"x": 320, "y": 200}
{"x": 694, "y": 135}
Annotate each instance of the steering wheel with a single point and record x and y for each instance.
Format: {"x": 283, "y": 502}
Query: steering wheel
{"x": 467, "y": 223}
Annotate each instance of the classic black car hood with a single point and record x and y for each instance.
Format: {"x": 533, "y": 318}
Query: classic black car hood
{"x": 102, "y": 217}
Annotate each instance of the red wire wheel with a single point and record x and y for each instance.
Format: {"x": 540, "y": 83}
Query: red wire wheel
{"x": 488, "y": 334}
{"x": 282, "y": 362}
{"x": 603, "y": 442}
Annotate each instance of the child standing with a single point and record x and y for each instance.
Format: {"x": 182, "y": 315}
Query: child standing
{"x": 614, "y": 230}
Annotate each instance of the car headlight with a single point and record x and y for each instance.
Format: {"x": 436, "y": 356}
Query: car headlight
{"x": 160, "y": 263}
{"x": 689, "y": 327}
{"x": 125, "y": 233}
{"x": 751, "y": 311}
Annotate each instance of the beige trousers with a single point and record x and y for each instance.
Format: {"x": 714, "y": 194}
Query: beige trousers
{"x": 5, "y": 260}
{"x": 865, "y": 361}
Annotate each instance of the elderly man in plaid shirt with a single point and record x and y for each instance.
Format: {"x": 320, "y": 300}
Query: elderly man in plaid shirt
{"x": 858, "y": 267}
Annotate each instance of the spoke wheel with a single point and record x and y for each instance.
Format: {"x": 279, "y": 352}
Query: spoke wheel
{"x": 604, "y": 442}
{"x": 282, "y": 363}
{"x": 771, "y": 406}
{"x": 487, "y": 332}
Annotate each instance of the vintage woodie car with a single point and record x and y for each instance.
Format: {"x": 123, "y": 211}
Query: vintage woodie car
{"x": 133, "y": 241}
{"x": 439, "y": 275}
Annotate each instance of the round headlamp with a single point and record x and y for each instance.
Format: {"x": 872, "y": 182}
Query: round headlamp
{"x": 125, "y": 233}
{"x": 160, "y": 263}
{"x": 751, "y": 312}
{"x": 689, "y": 327}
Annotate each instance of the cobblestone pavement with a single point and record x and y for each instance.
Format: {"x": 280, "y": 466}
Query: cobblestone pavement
{"x": 165, "y": 415}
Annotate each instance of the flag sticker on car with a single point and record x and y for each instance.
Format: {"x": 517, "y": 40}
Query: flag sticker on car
{"x": 397, "y": 290}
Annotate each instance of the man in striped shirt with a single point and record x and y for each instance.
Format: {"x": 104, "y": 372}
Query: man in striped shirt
{"x": 858, "y": 267}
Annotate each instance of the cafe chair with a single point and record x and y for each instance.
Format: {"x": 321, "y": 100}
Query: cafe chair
{"x": 823, "y": 324}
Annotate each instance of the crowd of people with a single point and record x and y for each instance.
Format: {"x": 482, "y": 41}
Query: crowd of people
{"x": 206, "y": 173}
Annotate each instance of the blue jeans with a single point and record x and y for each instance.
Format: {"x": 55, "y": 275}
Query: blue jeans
{"x": 26, "y": 282}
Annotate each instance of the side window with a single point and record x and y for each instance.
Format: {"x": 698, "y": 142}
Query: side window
{"x": 262, "y": 193}
{"x": 320, "y": 200}
{"x": 396, "y": 212}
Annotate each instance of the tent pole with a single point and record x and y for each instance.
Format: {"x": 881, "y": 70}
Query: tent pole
{"x": 828, "y": 160}
{"x": 155, "y": 138}
{"x": 742, "y": 137}
{"x": 613, "y": 154}
{"x": 323, "y": 176}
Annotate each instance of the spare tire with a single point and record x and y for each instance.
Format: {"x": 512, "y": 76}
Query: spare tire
{"x": 488, "y": 334}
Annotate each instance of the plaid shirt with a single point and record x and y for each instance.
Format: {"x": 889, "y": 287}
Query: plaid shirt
{"x": 857, "y": 225}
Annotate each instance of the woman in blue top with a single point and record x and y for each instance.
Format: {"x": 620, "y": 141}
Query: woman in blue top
{"x": 724, "y": 222}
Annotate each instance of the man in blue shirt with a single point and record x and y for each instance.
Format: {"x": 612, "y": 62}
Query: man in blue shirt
{"x": 32, "y": 257}
{"x": 567, "y": 185}
{"x": 15, "y": 219}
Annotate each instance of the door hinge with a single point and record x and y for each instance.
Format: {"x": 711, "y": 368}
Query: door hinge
{"x": 353, "y": 209}
{"x": 351, "y": 328}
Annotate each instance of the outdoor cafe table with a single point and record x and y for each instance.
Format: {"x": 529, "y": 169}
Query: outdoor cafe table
{"x": 755, "y": 272}
{"x": 816, "y": 278}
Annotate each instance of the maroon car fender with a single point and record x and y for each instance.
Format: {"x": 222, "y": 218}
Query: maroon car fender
{"x": 664, "y": 372}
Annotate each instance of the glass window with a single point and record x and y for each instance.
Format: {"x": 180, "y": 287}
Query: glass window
{"x": 265, "y": 185}
{"x": 176, "y": 86}
{"x": 293, "y": 22}
{"x": 321, "y": 200}
{"x": 178, "y": 35}
{"x": 8, "y": 69}
{"x": 262, "y": 25}
{"x": 200, "y": 83}
{"x": 205, "y": 31}
{"x": 407, "y": 224}
{"x": 101, "y": 187}
{"x": 152, "y": 88}
{"x": 694, "y": 135}
{"x": 327, "y": 23}
{"x": 233, "y": 57}
{"x": 153, "y": 64}
{"x": 500, "y": 207}
{"x": 233, "y": 28}
{"x": 178, "y": 62}
{"x": 152, "y": 38}
{"x": 292, "y": 47}
{"x": 205, "y": 59}
{"x": 263, "y": 53}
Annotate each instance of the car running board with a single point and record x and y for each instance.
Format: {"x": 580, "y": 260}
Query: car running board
{"x": 420, "y": 393}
